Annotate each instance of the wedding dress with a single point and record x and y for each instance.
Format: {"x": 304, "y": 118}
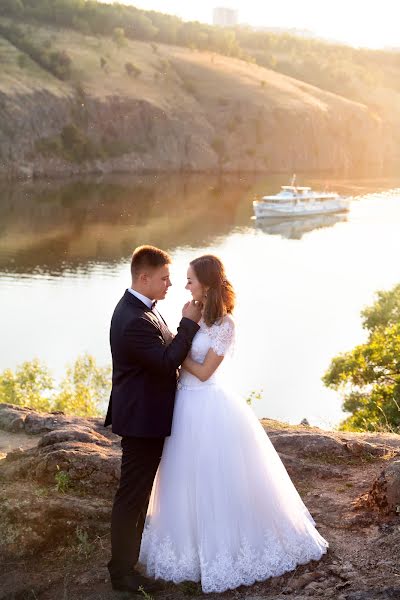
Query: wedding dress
{"x": 223, "y": 509}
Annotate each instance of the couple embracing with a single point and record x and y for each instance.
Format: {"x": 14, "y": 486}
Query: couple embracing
{"x": 203, "y": 495}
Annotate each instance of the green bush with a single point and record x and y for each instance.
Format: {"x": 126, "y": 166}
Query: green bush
{"x": 23, "y": 61}
{"x": 369, "y": 375}
{"x": 118, "y": 37}
{"x": 76, "y": 144}
{"x": 31, "y": 385}
{"x": 83, "y": 390}
{"x": 63, "y": 481}
{"x": 132, "y": 70}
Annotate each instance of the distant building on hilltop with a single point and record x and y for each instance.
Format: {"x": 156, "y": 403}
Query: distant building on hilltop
{"x": 226, "y": 17}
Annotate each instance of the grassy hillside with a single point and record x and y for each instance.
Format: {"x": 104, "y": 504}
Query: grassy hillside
{"x": 74, "y": 102}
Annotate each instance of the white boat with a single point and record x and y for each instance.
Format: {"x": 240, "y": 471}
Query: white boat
{"x": 295, "y": 201}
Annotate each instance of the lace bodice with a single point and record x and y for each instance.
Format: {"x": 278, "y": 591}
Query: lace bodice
{"x": 219, "y": 337}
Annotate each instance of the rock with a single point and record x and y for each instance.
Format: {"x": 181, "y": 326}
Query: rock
{"x": 300, "y": 467}
{"x": 12, "y": 417}
{"x": 308, "y": 444}
{"x": 15, "y": 454}
{"x": 78, "y": 434}
{"x": 305, "y": 422}
{"x": 31, "y": 523}
{"x": 87, "y": 453}
{"x": 385, "y": 492}
{"x": 327, "y": 447}
{"x": 40, "y": 423}
{"x": 303, "y": 580}
{"x": 362, "y": 448}
{"x": 87, "y": 465}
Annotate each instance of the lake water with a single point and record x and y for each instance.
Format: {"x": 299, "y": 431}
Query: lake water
{"x": 65, "y": 257}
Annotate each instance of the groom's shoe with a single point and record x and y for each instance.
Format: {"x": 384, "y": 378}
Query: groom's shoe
{"x": 135, "y": 584}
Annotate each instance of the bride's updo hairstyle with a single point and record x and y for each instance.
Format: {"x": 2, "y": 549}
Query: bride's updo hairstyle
{"x": 220, "y": 299}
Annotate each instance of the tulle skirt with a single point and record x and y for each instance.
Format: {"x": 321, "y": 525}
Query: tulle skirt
{"x": 223, "y": 509}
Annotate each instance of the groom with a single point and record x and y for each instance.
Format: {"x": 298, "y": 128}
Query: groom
{"x": 145, "y": 359}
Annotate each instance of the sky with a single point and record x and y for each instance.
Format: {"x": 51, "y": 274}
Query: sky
{"x": 356, "y": 22}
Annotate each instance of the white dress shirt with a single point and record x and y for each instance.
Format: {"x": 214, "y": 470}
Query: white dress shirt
{"x": 149, "y": 304}
{"x": 144, "y": 299}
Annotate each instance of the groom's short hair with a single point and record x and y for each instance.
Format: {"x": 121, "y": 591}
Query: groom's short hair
{"x": 148, "y": 257}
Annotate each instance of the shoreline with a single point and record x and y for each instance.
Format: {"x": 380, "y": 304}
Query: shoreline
{"x": 27, "y": 173}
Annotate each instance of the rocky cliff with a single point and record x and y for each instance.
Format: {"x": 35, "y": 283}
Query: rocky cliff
{"x": 183, "y": 110}
{"x": 58, "y": 475}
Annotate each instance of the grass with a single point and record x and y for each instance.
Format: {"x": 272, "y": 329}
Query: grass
{"x": 84, "y": 547}
{"x": 196, "y": 71}
{"x": 332, "y": 459}
{"x": 222, "y": 92}
{"x": 19, "y": 72}
{"x": 144, "y": 593}
{"x": 63, "y": 481}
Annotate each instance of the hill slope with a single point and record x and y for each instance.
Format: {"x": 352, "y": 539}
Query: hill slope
{"x": 131, "y": 105}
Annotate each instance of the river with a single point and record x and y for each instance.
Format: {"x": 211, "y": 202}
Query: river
{"x": 65, "y": 255}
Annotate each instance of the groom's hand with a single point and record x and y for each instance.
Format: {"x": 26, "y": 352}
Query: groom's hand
{"x": 192, "y": 310}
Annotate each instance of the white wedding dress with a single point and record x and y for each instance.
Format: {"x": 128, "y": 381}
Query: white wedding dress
{"x": 223, "y": 509}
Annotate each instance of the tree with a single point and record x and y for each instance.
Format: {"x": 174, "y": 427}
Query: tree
{"x": 369, "y": 375}
{"x": 30, "y": 385}
{"x": 82, "y": 392}
{"x": 84, "y": 388}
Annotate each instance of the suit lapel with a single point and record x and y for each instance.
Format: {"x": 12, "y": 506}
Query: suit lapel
{"x": 160, "y": 324}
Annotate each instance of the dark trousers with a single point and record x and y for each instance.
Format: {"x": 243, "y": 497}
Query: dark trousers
{"x": 140, "y": 460}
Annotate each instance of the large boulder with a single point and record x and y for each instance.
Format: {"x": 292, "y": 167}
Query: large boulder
{"x": 385, "y": 492}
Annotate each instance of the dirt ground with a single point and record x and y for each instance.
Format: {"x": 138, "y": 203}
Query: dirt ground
{"x": 362, "y": 563}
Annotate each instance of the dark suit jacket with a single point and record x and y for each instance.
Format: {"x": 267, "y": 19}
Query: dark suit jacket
{"x": 144, "y": 369}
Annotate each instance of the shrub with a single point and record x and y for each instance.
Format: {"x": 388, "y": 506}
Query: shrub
{"x": 23, "y": 61}
{"x": 76, "y": 144}
{"x": 132, "y": 70}
{"x": 218, "y": 145}
{"x": 63, "y": 481}
{"x": 83, "y": 390}
{"x": 118, "y": 37}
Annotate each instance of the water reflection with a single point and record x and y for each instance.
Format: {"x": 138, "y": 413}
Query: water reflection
{"x": 53, "y": 228}
{"x": 294, "y": 229}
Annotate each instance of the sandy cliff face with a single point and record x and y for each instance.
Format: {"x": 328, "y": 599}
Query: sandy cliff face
{"x": 187, "y": 111}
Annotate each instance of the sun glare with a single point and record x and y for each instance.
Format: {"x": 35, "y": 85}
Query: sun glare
{"x": 353, "y": 22}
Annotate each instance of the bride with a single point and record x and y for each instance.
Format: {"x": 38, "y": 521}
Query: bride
{"x": 223, "y": 509}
